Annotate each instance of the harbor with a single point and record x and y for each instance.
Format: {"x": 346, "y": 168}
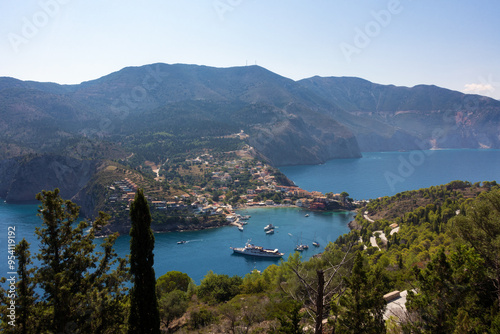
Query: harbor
{"x": 211, "y": 249}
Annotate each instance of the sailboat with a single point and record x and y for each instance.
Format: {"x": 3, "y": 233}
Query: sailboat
{"x": 301, "y": 247}
{"x": 315, "y": 243}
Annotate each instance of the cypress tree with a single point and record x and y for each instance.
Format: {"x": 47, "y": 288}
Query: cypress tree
{"x": 144, "y": 315}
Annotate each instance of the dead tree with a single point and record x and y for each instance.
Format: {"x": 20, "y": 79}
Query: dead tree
{"x": 319, "y": 290}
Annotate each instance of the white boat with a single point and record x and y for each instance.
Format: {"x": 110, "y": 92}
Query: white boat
{"x": 301, "y": 247}
{"x": 269, "y": 227}
{"x": 240, "y": 228}
{"x": 253, "y": 250}
{"x": 271, "y": 231}
{"x": 307, "y": 215}
{"x": 181, "y": 242}
{"x": 315, "y": 244}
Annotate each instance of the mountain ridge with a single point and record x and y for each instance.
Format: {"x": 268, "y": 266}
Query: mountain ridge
{"x": 379, "y": 117}
{"x": 172, "y": 112}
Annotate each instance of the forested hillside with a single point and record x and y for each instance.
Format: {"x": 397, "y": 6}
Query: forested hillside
{"x": 438, "y": 246}
{"x": 162, "y": 113}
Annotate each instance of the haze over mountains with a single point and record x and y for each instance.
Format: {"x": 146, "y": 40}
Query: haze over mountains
{"x": 140, "y": 109}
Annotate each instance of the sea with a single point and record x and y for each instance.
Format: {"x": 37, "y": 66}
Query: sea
{"x": 374, "y": 175}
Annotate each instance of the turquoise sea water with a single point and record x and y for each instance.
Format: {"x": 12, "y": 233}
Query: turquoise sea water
{"x": 388, "y": 173}
{"x": 376, "y": 174}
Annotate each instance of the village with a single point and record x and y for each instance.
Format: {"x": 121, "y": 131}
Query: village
{"x": 229, "y": 185}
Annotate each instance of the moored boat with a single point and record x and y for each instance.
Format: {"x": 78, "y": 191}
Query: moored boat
{"x": 260, "y": 251}
{"x": 268, "y": 227}
{"x": 301, "y": 247}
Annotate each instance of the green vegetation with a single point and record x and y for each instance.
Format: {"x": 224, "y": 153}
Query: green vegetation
{"x": 83, "y": 290}
{"x": 360, "y": 309}
{"x": 443, "y": 252}
{"x": 144, "y": 315}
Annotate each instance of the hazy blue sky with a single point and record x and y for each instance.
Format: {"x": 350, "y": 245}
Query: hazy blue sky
{"x": 449, "y": 43}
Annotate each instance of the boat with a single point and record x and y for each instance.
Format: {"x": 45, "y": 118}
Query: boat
{"x": 315, "y": 244}
{"x": 181, "y": 242}
{"x": 271, "y": 231}
{"x": 269, "y": 227}
{"x": 253, "y": 250}
{"x": 240, "y": 228}
{"x": 307, "y": 215}
{"x": 301, "y": 247}
{"x": 245, "y": 217}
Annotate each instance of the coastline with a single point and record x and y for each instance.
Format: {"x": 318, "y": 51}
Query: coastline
{"x": 245, "y": 207}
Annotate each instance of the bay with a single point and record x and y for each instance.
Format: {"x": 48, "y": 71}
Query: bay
{"x": 361, "y": 178}
{"x": 208, "y": 249}
{"x": 380, "y": 174}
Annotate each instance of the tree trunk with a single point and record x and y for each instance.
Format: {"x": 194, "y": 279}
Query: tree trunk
{"x": 319, "y": 302}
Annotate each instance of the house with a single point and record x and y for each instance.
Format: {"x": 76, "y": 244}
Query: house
{"x": 317, "y": 206}
{"x": 321, "y": 199}
{"x": 231, "y": 218}
{"x": 301, "y": 202}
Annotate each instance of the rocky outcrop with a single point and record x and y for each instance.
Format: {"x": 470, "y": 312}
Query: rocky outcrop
{"x": 8, "y": 171}
{"x": 24, "y": 177}
{"x": 294, "y": 141}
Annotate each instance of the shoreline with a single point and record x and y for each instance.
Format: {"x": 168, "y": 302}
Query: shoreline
{"x": 245, "y": 207}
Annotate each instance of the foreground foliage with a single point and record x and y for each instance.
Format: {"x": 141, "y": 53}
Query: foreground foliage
{"x": 444, "y": 252}
{"x": 82, "y": 290}
{"x": 144, "y": 315}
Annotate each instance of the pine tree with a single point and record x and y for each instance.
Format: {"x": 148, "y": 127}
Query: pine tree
{"x": 480, "y": 227}
{"x": 26, "y": 289}
{"x": 452, "y": 294}
{"x": 144, "y": 315}
{"x": 436, "y": 302}
{"x": 24, "y": 320}
{"x": 361, "y": 307}
{"x": 72, "y": 274}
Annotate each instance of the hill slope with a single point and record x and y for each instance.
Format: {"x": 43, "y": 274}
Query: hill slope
{"x": 164, "y": 112}
{"x": 407, "y": 118}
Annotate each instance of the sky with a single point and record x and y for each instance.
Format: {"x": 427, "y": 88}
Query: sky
{"x": 449, "y": 43}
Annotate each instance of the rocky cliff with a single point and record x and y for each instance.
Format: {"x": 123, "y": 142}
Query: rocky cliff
{"x": 22, "y": 178}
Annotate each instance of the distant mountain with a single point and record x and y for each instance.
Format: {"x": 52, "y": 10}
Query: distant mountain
{"x": 399, "y": 117}
{"x": 288, "y": 122}
{"x": 281, "y": 117}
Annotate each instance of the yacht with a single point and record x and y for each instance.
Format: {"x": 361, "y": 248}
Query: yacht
{"x": 269, "y": 227}
{"x": 253, "y": 250}
{"x": 301, "y": 247}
